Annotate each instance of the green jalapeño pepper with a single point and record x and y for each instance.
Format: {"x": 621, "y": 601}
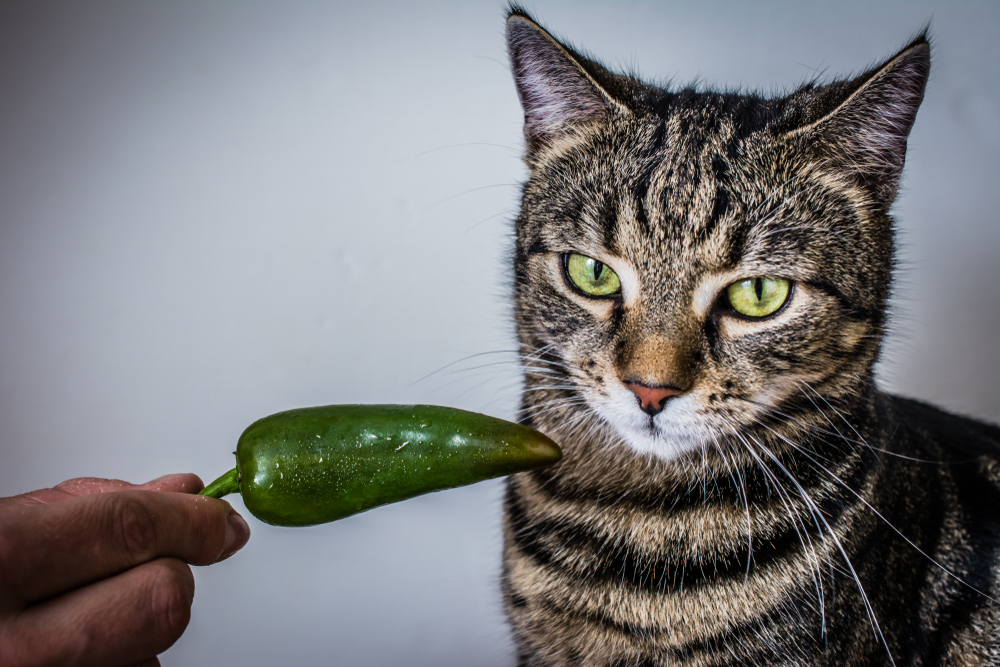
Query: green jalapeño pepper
{"x": 313, "y": 465}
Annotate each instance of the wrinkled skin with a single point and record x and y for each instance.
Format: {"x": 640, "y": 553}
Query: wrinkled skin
{"x": 96, "y": 571}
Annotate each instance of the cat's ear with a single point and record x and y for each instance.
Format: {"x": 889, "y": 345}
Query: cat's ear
{"x": 865, "y": 125}
{"x": 558, "y": 95}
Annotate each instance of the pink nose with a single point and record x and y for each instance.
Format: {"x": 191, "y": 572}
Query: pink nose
{"x": 651, "y": 399}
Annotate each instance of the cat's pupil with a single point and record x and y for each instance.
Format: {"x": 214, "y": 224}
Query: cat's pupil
{"x": 598, "y": 270}
{"x": 758, "y": 288}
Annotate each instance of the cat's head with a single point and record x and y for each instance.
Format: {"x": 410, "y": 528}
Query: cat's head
{"x": 691, "y": 264}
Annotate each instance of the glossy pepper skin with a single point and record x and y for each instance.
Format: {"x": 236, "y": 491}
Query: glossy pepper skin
{"x": 313, "y": 465}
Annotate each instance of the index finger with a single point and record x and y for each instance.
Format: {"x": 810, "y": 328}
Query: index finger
{"x": 51, "y": 548}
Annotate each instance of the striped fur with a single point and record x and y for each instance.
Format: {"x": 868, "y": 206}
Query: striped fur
{"x": 780, "y": 510}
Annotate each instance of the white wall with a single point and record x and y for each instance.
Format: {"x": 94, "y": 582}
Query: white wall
{"x": 210, "y": 212}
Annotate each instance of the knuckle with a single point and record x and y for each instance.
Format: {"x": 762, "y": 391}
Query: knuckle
{"x": 171, "y": 597}
{"x": 134, "y": 527}
{"x": 207, "y": 530}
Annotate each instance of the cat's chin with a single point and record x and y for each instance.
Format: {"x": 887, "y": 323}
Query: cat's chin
{"x": 669, "y": 436}
{"x": 662, "y": 445}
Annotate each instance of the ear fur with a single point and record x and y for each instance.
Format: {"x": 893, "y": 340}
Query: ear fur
{"x": 871, "y": 117}
{"x": 557, "y": 94}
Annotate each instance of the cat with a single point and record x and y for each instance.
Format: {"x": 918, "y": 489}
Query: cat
{"x": 700, "y": 289}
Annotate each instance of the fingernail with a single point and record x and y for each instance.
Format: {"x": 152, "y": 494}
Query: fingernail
{"x": 237, "y": 535}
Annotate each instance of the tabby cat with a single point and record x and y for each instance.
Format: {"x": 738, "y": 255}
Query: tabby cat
{"x": 700, "y": 287}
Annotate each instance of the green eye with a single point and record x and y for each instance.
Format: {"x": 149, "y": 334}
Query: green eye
{"x": 591, "y": 276}
{"x": 757, "y": 297}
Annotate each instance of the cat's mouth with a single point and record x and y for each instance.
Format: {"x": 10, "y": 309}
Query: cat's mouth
{"x": 679, "y": 428}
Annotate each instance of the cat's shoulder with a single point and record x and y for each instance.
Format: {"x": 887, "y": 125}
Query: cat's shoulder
{"x": 929, "y": 429}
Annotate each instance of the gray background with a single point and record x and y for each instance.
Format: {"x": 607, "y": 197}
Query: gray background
{"x": 212, "y": 212}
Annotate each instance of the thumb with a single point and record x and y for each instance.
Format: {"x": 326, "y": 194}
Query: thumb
{"x": 88, "y": 486}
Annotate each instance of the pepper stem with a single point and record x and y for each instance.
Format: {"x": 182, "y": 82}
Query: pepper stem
{"x": 228, "y": 483}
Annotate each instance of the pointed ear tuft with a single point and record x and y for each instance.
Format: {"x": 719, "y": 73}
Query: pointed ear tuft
{"x": 867, "y": 131}
{"x": 558, "y": 96}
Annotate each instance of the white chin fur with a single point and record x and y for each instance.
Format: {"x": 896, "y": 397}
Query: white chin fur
{"x": 676, "y": 431}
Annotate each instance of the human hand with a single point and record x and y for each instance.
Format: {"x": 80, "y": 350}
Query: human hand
{"x": 95, "y": 571}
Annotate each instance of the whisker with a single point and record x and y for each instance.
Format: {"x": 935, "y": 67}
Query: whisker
{"x": 861, "y": 498}
{"x": 469, "y": 191}
{"x": 458, "y": 361}
{"x": 842, "y": 418}
{"x": 509, "y": 212}
{"x": 809, "y": 551}
{"x": 471, "y": 143}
